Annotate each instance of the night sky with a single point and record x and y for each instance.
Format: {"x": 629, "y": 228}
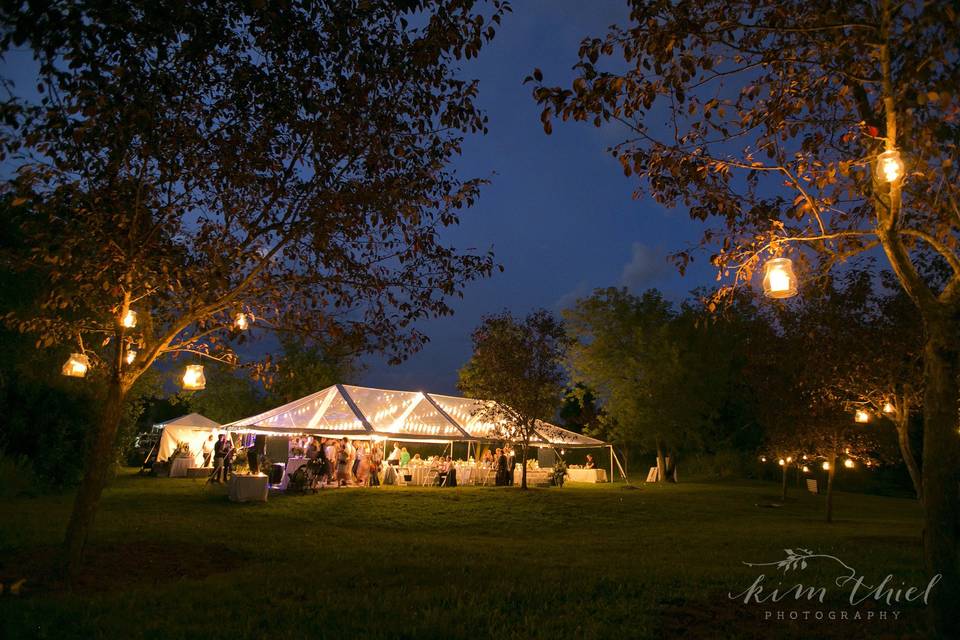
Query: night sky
{"x": 558, "y": 213}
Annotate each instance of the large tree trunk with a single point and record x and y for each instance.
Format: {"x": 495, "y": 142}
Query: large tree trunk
{"x": 830, "y": 473}
{"x": 661, "y": 463}
{"x": 941, "y": 476}
{"x": 99, "y": 455}
{"x": 902, "y": 422}
{"x": 523, "y": 472}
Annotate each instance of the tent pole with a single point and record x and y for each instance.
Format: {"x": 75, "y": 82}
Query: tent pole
{"x": 620, "y": 466}
{"x": 611, "y": 463}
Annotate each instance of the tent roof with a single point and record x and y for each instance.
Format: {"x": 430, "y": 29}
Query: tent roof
{"x": 194, "y": 420}
{"x": 348, "y": 410}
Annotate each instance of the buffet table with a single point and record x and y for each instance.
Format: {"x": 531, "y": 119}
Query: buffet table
{"x": 248, "y": 488}
{"x": 586, "y": 475}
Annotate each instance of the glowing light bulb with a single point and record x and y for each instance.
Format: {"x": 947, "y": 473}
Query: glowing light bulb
{"x": 131, "y": 356}
{"x": 781, "y": 462}
{"x": 806, "y": 469}
{"x": 241, "y": 322}
{"x": 193, "y": 378}
{"x": 76, "y": 366}
{"x": 861, "y": 416}
{"x": 890, "y": 165}
{"x": 789, "y": 459}
{"x": 848, "y": 463}
{"x": 778, "y": 279}
{"x": 826, "y": 466}
{"x": 129, "y": 319}
{"x": 888, "y": 407}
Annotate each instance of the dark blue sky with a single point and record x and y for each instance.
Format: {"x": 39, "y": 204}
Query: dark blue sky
{"x": 559, "y": 212}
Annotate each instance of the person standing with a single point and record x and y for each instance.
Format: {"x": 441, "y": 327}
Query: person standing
{"x": 404, "y": 457}
{"x": 227, "y": 458}
{"x": 207, "y": 450}
{"x": 343, "y": 463}
{"x": 218, "y": 455}
{"x": 394, "y": 457}
{"x": 502, "y": 469}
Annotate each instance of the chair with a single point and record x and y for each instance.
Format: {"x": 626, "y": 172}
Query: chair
{"x": 430, "y": 476}
{"x": 400, "y": 474}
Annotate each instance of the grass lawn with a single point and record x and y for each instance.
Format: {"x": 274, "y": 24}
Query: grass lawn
{"x": 172, "y": 558}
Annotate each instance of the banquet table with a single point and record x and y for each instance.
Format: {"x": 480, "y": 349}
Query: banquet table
{"x": 586, "y": 475}
{"x": 534, "y": 476}
{"x": 248, "y": 488}
{"x": 179, "y": 466}
{"x": 417, "y": 472}
{"x": 292, "y": 465}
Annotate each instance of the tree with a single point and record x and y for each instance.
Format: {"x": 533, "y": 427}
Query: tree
{"x": 196, "y": 161}
{"x": 785, "y": 123}
{"x": 622, "y": 348}
{"x": 304, "y": 368}
{"x": 517, "y": 366}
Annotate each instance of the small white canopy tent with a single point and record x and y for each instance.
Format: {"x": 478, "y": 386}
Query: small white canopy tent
{"x": 192, "y": 429}
{"x": 411, "y": 416}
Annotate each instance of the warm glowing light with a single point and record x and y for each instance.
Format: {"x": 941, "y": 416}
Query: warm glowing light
{"x": 193, "y": 379}
{"x": 763, "y": 458}
{"x": 778, "y": 278}
{"x": 806, "y": 469}
{"x": 129, "y": 319}
{"x": 76, "y": 365}
{"x": 789, "y": 459}
{"x": 888, "y": 407}
{"x": 826, "y": 466}
{"x": 241, "y": 322}
{"x": 848, "y": 463}
{"x": 804, "y": 456}
{"x": 890, "y": 165}
{"x": 131, "y": 356}
{"x": 781, "y": 462}
{"x": 861, "y": 416}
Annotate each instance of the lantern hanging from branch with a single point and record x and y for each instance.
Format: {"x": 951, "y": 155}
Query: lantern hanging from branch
{"x": 848, "y": 463}
{"x": 888, "y": 407}
{"x": 826, "y": 466}
{"x": 241, "y": 322}
{"x": 778, "y": 278}
{"x": 806, "y": 469}
{"x": 131, "y": 356}
{"x": 890, "y": 165}
{"x": 193, "y": 379}
{"x": 129, "y": 319}
{"x": 861, "y": 416}
{"x": 76, "y": 365}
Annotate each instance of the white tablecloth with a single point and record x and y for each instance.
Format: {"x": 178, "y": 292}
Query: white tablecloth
{"x": 248, "y": 488}
{"x": 587, "y": 475}
{"x": 179, "y": 466}
{"x": 534, "y": 476}
{"x": 292, "y": 465}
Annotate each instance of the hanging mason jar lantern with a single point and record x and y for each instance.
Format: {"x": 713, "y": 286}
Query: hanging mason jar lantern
{"x": 890, "y": 165}
{"x": 861, "y": 416}
{"x": 129, "y": 319}
{"x": 888, "y": 407}
{"x": 778, "y": 278}
{"x": 131, "y": 356}
{"x": 76, "y": 365}
{"x": 193, "y": 379}
{"x": 241, "y": 322}
{"x": 826, "y": 466}
{"x": 848, "y": 463}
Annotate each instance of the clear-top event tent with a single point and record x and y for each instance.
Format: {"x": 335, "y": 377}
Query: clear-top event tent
{"x": 409, "y": 416}
{"x": 191, "y": 429}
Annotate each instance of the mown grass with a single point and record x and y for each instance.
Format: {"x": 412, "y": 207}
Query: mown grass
{"x": 175, "y": 559}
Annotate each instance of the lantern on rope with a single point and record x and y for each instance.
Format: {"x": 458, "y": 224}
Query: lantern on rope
{"x": 193, "y": 379}
{"x": 861, "y": 416}
{"x": 781, "y": 462}
{"x": 76, "y": 365}
{"x": 241, "y": 322}
{"x": 890, "y": 165}
{"x": 825, "y": 466}
{"x": 778, "y": 278}
{"x": 129, "y": 319}
{"x": 888, "y": 407}
{"x": 131, "y": 356}
{"x": 806, "y": 469}
{"x": 848, "y": 463}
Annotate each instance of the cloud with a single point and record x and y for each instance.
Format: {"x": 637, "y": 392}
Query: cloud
{"x": 646, "y": 266}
